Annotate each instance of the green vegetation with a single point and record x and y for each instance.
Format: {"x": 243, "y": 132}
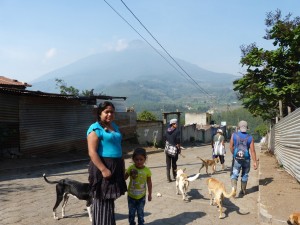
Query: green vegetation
{"x": 147, "y": 116}
{"x": 257, "y": 126}
{"x": 273, "y": 76}
{"x": 159, "y": 95}
{"x": 261, "y": 130}
{"x": 70, "y": 90}
{"x": 64, "y": 89}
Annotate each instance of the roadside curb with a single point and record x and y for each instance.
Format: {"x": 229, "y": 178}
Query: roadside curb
{"x": 264, "y": 216}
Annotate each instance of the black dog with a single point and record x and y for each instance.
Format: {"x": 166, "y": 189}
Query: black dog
{"x": 66, "y": 187}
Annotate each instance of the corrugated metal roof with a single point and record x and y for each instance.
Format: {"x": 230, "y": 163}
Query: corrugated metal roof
{"x": 11, "y": 82}
{"x": 88, "y": 100}
{"x": 15, "y": 91}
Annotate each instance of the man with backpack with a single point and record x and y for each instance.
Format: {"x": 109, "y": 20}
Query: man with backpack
{"x": 242, "y": 147}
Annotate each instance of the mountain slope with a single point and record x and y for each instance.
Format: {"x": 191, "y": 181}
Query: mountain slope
{"x": 140, "y": 74}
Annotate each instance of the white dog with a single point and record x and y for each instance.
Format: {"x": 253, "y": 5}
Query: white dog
{"x": 182, "y": 182}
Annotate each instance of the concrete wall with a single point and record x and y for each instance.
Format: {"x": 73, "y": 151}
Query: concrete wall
{"x": 197, "y": 118}
{"x": 193, "y": 131}
{"x": 188, "y": 132}
{"x": 149, "y": 132}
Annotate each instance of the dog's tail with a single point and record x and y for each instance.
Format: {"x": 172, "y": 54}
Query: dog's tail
{"x": 201, "y": 159}
{"x": 48, "y": 181}
{"x": 193, "y": 178}
{"x": 231, "y": 194}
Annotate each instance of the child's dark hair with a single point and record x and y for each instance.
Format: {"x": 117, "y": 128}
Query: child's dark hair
{"x": 139, "y": 151}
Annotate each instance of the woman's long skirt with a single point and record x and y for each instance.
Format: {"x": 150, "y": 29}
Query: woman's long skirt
{"x": 106, "y": 191}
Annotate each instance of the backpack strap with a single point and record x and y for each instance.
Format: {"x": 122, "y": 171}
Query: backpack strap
{"x": 238, "y": 139}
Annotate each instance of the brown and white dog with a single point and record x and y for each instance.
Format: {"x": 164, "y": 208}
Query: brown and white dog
{"x": 209, "y": 162}
{"x": 218, "y": 188}
{"x": 182, "y": 182}
{"x": 294, "y": 219}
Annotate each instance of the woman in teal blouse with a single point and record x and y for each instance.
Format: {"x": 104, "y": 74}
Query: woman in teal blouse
{"x": 106, "y": 168}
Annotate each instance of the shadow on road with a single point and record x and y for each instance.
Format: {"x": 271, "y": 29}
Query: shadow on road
{"x": 195, "y": 194}
{"x": 125, "y": 216}
{"x": 183, "y": 218}
{"x": 230, "y": 207}
{"x": 266, "y": 181}
{"x": 38, "y": 171}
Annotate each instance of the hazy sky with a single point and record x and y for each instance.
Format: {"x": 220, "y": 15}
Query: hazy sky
{"x": 39, "y": 36}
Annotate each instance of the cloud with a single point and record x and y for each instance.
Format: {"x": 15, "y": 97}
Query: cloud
{"x": 51, "y": 53}
{"x": 117, "y": 46}
{"x": 121, "y": 45}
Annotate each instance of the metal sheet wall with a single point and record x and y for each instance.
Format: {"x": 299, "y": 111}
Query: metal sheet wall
{"x": 127, "y": 124}
{"x": 9, "y": 125}
{"x": 287, "y": 143}
{"x": 9, "y": 111}
{"x": 57, "y": 125}
{"x": 50, "y": 125}
{"x": 53, "y": 125}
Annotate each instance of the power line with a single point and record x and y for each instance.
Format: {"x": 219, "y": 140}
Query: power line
{"x": 163, "y": 48}
{"x": 195, "y": 83}
{"x": 145, "y": 40}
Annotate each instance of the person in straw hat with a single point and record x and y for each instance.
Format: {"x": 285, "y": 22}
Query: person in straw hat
{"x": 218, "y": 146}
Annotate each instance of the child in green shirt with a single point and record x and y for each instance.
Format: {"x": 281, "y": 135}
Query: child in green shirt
{"x": 140, "y": 180}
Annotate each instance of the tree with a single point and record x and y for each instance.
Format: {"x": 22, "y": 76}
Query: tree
{"x": 88, "y": 93}
{"x": 272, "y": 75}
{"x": 65, "y": 90}
{"x": 146, "y": 115}
{"x": 261, "y": 130}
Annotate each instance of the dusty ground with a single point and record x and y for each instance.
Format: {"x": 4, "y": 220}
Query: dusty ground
{"x": 28, "y": 199}
{"x": 279, "y": 192}
{"x": 278, "y": 189}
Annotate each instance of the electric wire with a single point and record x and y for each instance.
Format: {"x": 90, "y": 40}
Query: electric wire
{"x": 194, "y": 82}
{"x": 147, "y": 41}
{"x": 202, "y": 89}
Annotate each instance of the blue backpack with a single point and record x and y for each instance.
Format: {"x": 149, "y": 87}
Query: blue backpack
{"x": 241, "y": 148}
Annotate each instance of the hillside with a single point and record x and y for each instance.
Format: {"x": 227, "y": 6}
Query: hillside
{"x": 143, "y": 76}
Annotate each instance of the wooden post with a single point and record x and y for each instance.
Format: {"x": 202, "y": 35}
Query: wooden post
{"x": 280, "y": 110}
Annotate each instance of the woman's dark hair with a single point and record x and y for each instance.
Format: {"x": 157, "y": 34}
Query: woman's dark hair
{"x": 102, "y": 106}
{"x": 139, "y": 151}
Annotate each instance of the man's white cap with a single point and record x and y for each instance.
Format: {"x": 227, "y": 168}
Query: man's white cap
{"x": 243, "y": 126}
{"x": 173, "y": 121}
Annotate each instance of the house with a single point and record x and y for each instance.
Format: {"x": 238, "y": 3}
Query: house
{"x": 198, "y": 118}
{"x": 36, "y": 123}
{"x": 197, "y": 128}
{"x": 10, "y": 83}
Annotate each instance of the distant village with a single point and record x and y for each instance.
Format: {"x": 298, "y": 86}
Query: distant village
{"x": 35, "y": 123}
